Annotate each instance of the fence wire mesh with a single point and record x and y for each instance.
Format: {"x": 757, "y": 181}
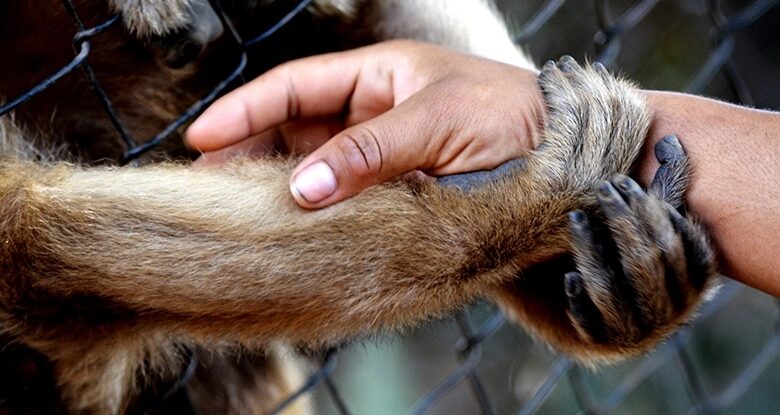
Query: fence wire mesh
{"x": 726, "y": 362}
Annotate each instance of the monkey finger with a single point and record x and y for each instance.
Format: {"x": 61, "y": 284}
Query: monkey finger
{"x": 600, "y": 282}
{"x": 651, "y": 215}
{"x": 671, "y": 179}
{"x": 584, "y": 315}
{"x": 549, "y": 77}
{"x": 562, "y": 76}
{"x": 601, "y": 70}
{"x": 567, "y": 64}
{"x": 561, "y": 99}
{"x": 556, "y": 89}
{"x": 668, "y": 150}
{"x": 582, "y": 78}
{"x": 646, "y": 210}
{"x": 700, "y": 259}
{"x": 620, "y": 215}
{"x": 642, "y": 236}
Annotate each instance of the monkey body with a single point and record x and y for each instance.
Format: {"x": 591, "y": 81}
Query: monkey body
{"x": 108, "y": 271}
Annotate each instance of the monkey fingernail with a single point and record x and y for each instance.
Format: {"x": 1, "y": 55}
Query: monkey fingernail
{"x": 573, "y": 284}
{"x": 605, "y": 190}
{"x": 625, "y": 184}
{"x": 577, "y": 216}
{"x": 669, "y": 149}
{"x": 315, "y": 182}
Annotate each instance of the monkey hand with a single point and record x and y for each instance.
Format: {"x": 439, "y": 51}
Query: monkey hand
{"x": 636, "y": 269}
{"x": 636, "y": 273}
{"x": 642, "y": 268}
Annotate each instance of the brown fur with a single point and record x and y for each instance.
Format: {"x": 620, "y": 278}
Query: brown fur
{"x": 108, "y": 271}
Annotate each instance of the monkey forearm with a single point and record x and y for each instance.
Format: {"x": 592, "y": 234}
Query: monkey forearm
{"x": 230, "y": 247}
{"x": 734, "y": 191}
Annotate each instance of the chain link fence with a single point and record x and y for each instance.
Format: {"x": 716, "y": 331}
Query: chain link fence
{"x": 726, "y": 362}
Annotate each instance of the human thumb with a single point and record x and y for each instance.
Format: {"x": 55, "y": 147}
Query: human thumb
{"x": 360, "y": 156}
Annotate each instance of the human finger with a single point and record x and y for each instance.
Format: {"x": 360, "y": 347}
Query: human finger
{"x": 314, "y": 87}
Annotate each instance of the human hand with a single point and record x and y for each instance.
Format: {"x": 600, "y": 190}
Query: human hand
{"x": 375, "y": 113}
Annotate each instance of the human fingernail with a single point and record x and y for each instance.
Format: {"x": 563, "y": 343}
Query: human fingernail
{"x": 194, "y": 127}
{"x": 315, "y": 182}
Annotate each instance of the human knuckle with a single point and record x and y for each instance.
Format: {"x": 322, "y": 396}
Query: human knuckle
{"x": 362, "y": 152}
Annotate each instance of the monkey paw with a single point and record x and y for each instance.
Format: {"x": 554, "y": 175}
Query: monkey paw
{"x": 178, "y": 30}
{"x": 596, "y": 123}
{"x": 642, "y": 268}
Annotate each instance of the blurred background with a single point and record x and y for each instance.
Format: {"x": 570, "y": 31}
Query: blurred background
{"x": 726, "y": 362}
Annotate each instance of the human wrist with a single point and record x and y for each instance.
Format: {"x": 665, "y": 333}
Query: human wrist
{"x": 536, "y": 117}
{"x": 734, "y": 160}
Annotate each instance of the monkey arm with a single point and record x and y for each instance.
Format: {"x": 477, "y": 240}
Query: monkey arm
{"x": 228, "y": 249}
{"x": 105, "y": 270}
{"x": 225, "y": 253}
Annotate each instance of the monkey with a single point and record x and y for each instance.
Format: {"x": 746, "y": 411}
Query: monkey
{"x": 109, "y": 272}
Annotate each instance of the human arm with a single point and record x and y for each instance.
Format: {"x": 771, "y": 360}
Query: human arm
{"x": 734, "y": 192}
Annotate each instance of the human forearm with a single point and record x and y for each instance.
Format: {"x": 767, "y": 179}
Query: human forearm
{"x": 736, "y": 162}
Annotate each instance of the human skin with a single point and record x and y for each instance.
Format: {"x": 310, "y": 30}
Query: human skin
{"x": 734, "y": 192}
{"x": 378, "y": 112}
{"x": 374, "y": 113}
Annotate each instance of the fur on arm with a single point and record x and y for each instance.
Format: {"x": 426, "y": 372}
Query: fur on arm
{"x": 225, "y": 252}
